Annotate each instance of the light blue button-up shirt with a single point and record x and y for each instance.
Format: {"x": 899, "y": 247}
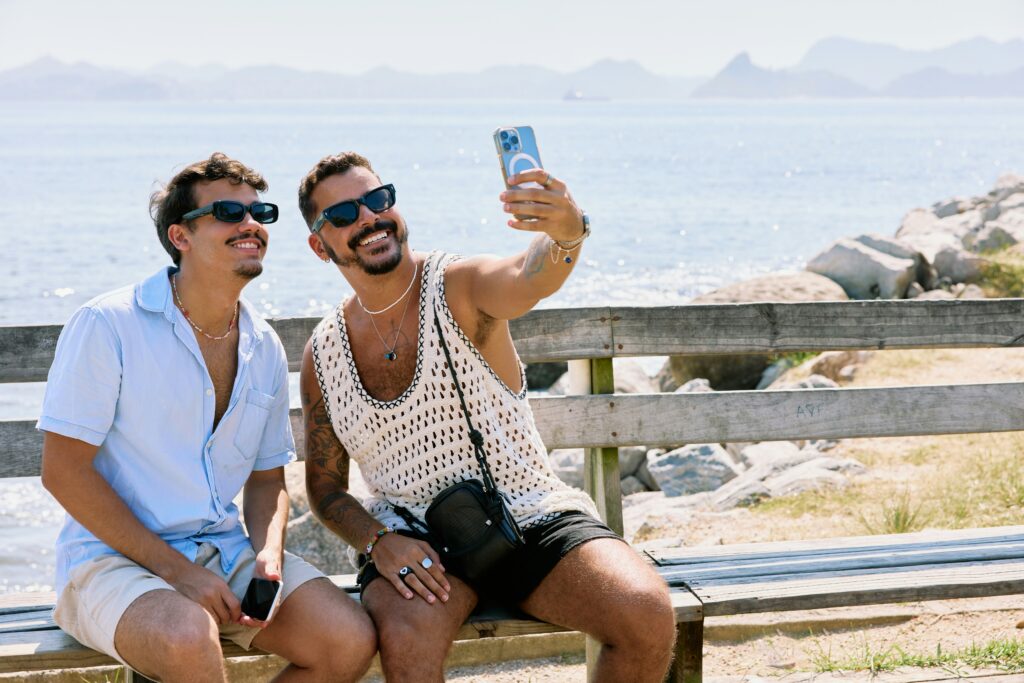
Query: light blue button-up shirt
{"x": 129, "y": 377}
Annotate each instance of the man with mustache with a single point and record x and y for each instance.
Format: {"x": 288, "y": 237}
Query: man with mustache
{"x": 164, "y": 400}
{"x": 377, "y": 388}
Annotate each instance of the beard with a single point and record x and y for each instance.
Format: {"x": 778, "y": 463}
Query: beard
{"x": 375, "y": 268}
{"x": 249, "y": 271}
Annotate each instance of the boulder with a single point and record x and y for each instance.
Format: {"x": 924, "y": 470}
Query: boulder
{"x": 958, "y": 265}
{"x": 773, "y": 372}
{"x": 972, "y": 292}
{"x": 924, "y": 274}
{"x": 692, "y": 469}
{"x": 812, "y": 382}
{"x": 768, "y": 452}
{"x": 949, "y": 207}
{"x": 914, "y": 290}
{"x": 936, "y": 295}
{"x": 665, "y": 380}
{"x": 994, "y": 236}
{"x": 864, "y": 272}
{"x": 926, "y": 233}
{"x": 630, "y": 458}
{"x": 631, "y": 485}
{"x": 1007, "y": 184}
{"x": 543, "y": 375}
{"x": 695, "y": 386}
{"x": 568, "y": 465}
{"x": 630, "y": 378}
{"x": 726, "y": 372}
{"x": 644, "y": 474}
{"x": 813, "y": 474}
{"x": 830, "y": 363}
{"x": 822, "y": 445}
{"x": 311, "y": 540}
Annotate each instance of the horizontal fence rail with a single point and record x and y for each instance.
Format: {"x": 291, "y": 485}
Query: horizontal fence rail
{"x": 611, "y": 332}
{"x": 613, "y": 420}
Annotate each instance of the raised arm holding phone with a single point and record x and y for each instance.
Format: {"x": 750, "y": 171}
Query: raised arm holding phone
{"x": 416, "y": 378}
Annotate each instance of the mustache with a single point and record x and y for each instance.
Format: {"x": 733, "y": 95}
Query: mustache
{"x": 382, "y": 224}
{"x": 254, "y": 235}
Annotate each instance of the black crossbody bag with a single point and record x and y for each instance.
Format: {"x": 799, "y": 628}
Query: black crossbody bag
{"x": 471, "y": 520}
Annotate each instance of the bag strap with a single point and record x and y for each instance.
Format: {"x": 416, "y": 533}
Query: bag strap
{"x": 475, "y": 436}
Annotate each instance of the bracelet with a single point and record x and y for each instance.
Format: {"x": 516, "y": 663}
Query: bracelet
{"x": 572, "y": 244}
{"x": 376, "y": 537}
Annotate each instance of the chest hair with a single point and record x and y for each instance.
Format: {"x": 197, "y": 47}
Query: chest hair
{"x": 222, "y": 363}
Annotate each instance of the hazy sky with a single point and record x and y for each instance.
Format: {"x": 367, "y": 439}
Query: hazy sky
{"x": 666, "y": 36}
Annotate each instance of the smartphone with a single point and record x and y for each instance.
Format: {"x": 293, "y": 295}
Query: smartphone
{"x": 261, "y": 599}
{"x": 517, "y": 152}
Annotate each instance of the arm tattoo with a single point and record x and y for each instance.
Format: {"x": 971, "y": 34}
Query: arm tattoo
{"x": 536, "y": 257}
{"x": 327, "y": 469}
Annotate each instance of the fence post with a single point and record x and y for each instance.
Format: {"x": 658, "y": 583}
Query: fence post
{"x": 600, "y": 465}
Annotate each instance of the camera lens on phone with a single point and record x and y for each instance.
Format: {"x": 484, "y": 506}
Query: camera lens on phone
{"x": 515, "y": 140}
{"x": 507, "y": 147}
{"x": 504, "y": 135}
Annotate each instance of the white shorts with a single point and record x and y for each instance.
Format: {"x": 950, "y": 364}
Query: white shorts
{"x": 99, "y": 592}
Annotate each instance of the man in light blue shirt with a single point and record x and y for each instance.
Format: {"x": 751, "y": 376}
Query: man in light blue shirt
{"x": 165, "y": 399}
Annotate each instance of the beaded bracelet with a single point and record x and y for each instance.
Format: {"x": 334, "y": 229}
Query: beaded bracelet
{"x": 376, "y": 537}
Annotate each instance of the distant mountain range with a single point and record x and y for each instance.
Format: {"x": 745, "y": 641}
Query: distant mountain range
{"x": 832, "y": 68}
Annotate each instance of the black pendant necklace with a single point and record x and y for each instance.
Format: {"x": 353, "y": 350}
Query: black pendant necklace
{"x": 390, "y": 350}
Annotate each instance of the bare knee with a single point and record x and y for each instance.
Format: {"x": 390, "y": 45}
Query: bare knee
{"x": 646, "y": 620}
{"x": 191, "y": 636}
{"x": 350, "y": 651}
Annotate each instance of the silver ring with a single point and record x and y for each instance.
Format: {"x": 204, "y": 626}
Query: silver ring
{"x": 404, "y": 572}
{"x": 427, "y": 563}
{"x": 547, "y": 181}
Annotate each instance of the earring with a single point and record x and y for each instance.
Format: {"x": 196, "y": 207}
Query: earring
{"x": 326, "y": 259}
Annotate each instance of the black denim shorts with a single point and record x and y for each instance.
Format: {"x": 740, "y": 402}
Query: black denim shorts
{"x": 546, "y": 544}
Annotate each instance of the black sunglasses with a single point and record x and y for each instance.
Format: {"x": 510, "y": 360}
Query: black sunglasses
{"x": 230, "y": 211}
{"x": 345, "y": 213}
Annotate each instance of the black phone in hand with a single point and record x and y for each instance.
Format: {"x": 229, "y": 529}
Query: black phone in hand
{"x": 260, "y": 599}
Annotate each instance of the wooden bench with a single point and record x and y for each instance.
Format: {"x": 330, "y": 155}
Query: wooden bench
{"x": 731, "y": 579}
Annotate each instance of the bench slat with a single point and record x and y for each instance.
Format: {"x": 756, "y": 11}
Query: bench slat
{"x": 26, "y": 351}
{"x": 795, "y": 565}
{"x": 835, "y": 546}
{"x": 859, "y": 587}
{"x": 669, "y": 419}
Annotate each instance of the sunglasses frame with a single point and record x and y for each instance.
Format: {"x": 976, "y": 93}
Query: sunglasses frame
{"x": 322, "y": 218}
{"x": 212, "y": 208}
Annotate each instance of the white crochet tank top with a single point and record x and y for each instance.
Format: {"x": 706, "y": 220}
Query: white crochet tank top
{"x": 412, "y": 448}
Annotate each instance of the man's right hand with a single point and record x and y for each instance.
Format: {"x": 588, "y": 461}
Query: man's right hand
{"x": 211, "y": 592}
{"x": 394, "y": 551}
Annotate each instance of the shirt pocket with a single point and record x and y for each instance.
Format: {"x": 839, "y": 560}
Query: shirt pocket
{"x": 255, "y": 413}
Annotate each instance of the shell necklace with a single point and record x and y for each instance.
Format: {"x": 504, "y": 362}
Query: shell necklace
{"x": 184, "y": 312}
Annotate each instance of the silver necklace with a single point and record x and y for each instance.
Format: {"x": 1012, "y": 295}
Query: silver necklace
{"x": 184, "y": 312}
{"x": 389, "y": 351}
{"x": 395, "y": 302}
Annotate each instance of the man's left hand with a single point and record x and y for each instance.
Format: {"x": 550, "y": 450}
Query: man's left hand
{"x": 551, "y": 206}
{"x": 268, "y": 566}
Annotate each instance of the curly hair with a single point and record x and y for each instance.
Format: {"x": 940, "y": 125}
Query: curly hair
{"x": 172, "y": 201}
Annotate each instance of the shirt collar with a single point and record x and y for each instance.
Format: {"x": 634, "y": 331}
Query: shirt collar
{"x": 154, "y": 294}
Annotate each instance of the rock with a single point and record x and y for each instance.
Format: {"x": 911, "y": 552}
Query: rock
{"x": 950, "y": 207}
{"x": 310, "y": 540}
{"x": 644, "y": 474}
{"x": 630, "y": 378}
{"x": 1008, "y": 184}
{"x": 767, "y": 452}
{"x": 543, "y": 375}
{"x": 813, "y": 474}
{"x": 863, "y": 272}
{"x": 736, "y": 494}
{"x": 630, "y": 458}
{"x": 631, "y": 485}
{"x": 972, "y": 292}
{"x": 936, "y": 295}
{"x": 914, "y": 290}
{"x": 665, "y": 380}
{"x": 1014, "y": 201}
{"x": 924, "y": 274}
{"x": 958, "y": 264}
{"x": 846, "y": 373}
{"x": 773, "y": 372}
{"x": 993, "y": 237}
{"x": 1012, "y": 220}
{"x": 744, "y": 371}
{"x": 926, "y": 233}
{"x": 830, "y": 363}
{"x": 812, "y": 382}
{"x": 560, "y": 387}
{"x": 735, "y": 449}
{"x": 695, "y": 386}
{"x": 568, "y": 465}
{"x": 692, "y": 469}
{"x": 822, "y": 445}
